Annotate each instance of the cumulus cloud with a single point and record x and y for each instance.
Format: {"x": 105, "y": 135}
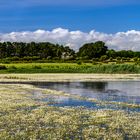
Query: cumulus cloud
{"x": 75, "y": 39}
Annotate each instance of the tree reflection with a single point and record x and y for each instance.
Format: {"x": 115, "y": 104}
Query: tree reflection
{"x": 98, "y": 86}
{"x": 95, "y": 86}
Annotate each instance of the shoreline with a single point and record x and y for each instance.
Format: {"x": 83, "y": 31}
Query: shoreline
{"x": 67, "y": 77}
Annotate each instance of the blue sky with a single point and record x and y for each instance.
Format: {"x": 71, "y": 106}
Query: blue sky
{"x": 108, "y": 16}
{"x": 72, "y": 22}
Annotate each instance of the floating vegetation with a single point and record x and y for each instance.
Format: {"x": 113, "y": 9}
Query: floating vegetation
{"x": 22, "y": 117}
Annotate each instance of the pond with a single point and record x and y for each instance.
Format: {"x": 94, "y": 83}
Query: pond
{"x": 128, "y": 92}
{"x": 117, "y": 91}
{"x": 113, "y": 91}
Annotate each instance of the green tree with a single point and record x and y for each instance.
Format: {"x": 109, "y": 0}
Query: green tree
{"x": 93, "y": 50}
{"x": 111, "y": 53}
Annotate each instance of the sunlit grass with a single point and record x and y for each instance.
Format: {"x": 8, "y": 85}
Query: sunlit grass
{"x": 22, "y": 117}
{"x": 70, "y": 68}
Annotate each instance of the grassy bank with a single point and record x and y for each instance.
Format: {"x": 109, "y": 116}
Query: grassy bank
{"x": 22, "y": 117}
{"x": 69, "y": 68}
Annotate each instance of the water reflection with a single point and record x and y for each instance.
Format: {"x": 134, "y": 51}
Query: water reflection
{"x": 107, "y": 91}
{"x": 126, "y": 91}
{"x": 63, "y": 101}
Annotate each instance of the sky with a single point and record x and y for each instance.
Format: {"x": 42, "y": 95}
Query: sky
{"x": 73, "y": 22}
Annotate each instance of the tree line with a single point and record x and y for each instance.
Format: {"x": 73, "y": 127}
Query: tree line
{"x": 49, "y": 51}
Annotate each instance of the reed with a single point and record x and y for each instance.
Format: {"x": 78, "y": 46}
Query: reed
{"x": 70, "y": 68}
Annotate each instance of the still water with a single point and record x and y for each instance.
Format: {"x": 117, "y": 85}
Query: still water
{"x": 116, "y": 91}
{"x": 124, "y": 91}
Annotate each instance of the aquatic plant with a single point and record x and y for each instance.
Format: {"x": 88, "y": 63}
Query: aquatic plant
{"x": 22, "y": 117}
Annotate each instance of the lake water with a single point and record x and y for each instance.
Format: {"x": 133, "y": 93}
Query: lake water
{"x": 115, "y": 91}
{"x": 124, "y": 91}
{"x": 128, "y": 92}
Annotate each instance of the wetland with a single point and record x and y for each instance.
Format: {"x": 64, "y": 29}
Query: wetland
{"x": 69, "y": 109}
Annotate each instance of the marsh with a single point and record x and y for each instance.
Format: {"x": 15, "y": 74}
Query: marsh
{"x": 35, "y": 109}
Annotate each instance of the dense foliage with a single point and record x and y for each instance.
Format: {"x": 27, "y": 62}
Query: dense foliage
{"x": 98, "y": 51}
{"x": 92, "y": 50}
{"x": 34, "y": 50}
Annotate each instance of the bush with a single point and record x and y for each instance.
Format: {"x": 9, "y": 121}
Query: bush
{"x": 79, "y": 62}
{"x": 118, "y": 58}
{"x": 37, "y": 67}
{"x": 103, "y": 58}
{"x": 13, "y": 67}
{"x": 135, "y": 59}
{"x": 15, "y": 58}
{"x": 95, "y": 63}
{"x": 2, "y": 67}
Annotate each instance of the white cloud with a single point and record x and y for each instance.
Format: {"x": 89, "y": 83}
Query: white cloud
{"x": 121, "y": 40}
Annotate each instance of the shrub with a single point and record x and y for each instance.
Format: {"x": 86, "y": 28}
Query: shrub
{"x": 37, "y": 67}
{"x": 79, "y": 62}
{"x": 118, "y": 58}
{"x": 2, "y": 67}
{"x": 135, "y": 59}
{"x": 103, "y": 58}
{"x": 94, "y": 63}
{"x": 15, "y": 58}
{"x": 13, "y": 67}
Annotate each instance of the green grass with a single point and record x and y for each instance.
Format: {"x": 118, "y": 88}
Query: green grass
{"x": 22, "y": 118}
{"x": 70, "y": 68}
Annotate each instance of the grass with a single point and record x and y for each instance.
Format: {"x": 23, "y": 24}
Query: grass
{"x": 21, "y": 117}
{"x": 70, "y": 68}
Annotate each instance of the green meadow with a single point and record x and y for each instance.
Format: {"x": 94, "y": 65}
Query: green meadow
{"x": 110, "y": 68}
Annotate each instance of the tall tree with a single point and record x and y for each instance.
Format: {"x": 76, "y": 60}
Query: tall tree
{"x": 93, "y": 50}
